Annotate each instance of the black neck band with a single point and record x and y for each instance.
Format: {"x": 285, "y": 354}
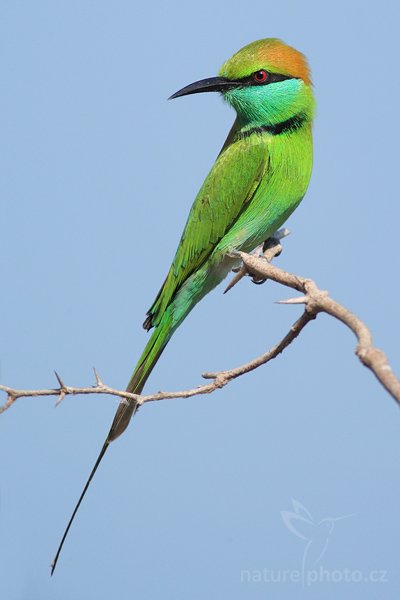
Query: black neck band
{"x": 289, "y": 125}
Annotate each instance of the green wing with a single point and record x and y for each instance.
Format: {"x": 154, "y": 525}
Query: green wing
{"x": 225, "y": 193}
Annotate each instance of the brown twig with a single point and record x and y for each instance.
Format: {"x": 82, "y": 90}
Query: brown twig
{"x": 315, "y": 301}
{"x": 318, "y": 301}
{"x": 221, "y": 378}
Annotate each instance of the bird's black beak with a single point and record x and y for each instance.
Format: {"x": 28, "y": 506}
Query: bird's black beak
{"x": 213, "y": 84}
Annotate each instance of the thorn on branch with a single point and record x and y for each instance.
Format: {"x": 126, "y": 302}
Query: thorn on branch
{"x": 299, "y": 300}
{"x": 98, "y": 380}
{"x": 60, "y": 399}
{"x": 209, "y": 375}
{"x": 60, "y": 381}
{"x": 240, "y": 273}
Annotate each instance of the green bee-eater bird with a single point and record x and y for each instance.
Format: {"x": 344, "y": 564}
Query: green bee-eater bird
{"x": 258, "y": 179}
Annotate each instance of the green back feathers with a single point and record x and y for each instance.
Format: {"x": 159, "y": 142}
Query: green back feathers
{"x": 224, "y": 194}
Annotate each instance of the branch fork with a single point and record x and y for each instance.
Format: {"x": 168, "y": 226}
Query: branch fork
{"x": 260, "y": 268}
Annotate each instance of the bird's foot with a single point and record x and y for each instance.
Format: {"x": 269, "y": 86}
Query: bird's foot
{"x": 259, "y": 252}
{"x": 270, "y": 249}
{"x": 258, "y": 280}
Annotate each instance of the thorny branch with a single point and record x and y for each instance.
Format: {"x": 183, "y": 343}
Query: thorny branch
{"x": 259, "y": 267}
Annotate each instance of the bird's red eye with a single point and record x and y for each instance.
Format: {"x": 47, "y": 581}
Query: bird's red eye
{"x": 260, "y": 76}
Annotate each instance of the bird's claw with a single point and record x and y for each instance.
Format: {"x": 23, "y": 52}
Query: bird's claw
{"x": 259, "y": 280}
{"x": 267, "y": 246}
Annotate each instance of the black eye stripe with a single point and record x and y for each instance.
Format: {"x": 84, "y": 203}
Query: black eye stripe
{"x": 272, "y": 78}
{"x": 275, "y": 77}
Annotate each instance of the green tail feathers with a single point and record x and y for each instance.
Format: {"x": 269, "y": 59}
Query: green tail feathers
{"x": 159, "y": 339}
{"x": 152, "y": 352}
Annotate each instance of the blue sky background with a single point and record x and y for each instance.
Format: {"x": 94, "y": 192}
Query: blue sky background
{"x": 98, "y": 172}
